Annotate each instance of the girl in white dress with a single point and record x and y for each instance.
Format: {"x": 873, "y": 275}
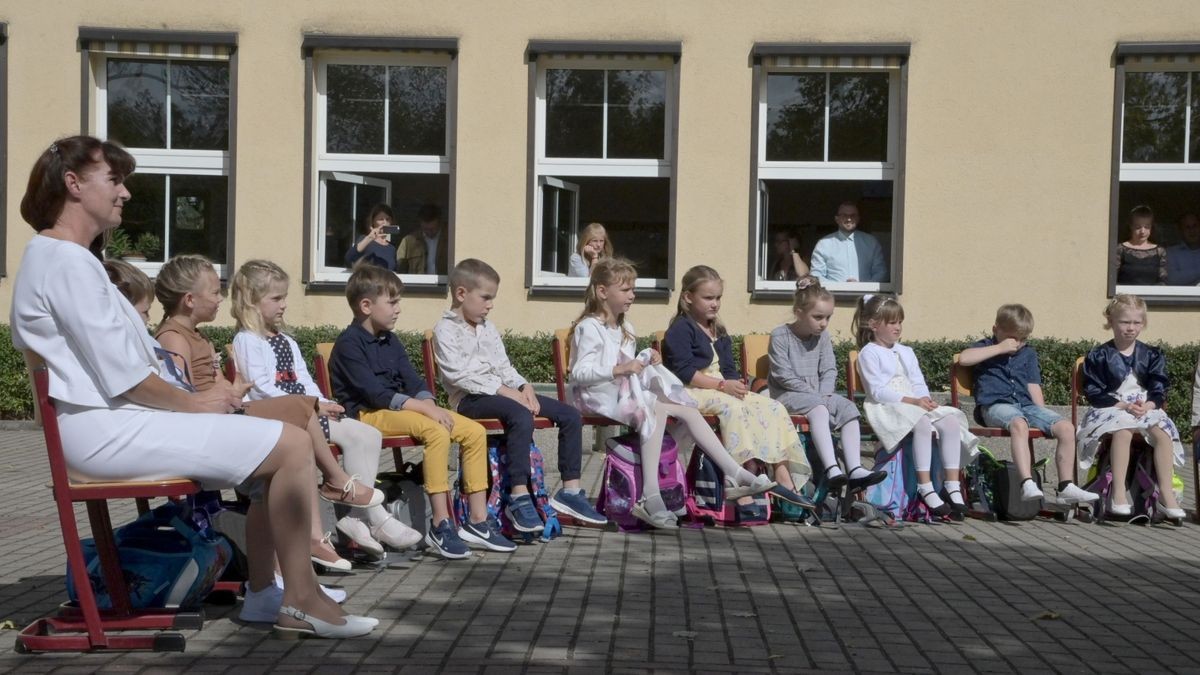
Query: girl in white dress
{"x": 898, "y": 404}
{"x": 119, "y": 420}
{"x": 1125, "y": 382}
{"x": 609, "y": 378}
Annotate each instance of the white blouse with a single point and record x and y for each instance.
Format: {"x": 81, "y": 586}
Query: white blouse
{"x": 878, "y": 366}
{"x": 256, "y": 363}
{"x": 65, "y": 309}
{"x": 471, "y": 360}
{"x": 595, "y": 350}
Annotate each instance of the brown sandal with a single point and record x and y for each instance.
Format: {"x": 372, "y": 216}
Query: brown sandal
{"x": 353, "y": 493}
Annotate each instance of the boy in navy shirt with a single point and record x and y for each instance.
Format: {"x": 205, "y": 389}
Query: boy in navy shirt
{"x": 1008, "y": 394}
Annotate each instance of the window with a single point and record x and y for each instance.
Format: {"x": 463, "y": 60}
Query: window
{"x": 1157, "y": 181}
{"x": 383, "y": 135}
{"x": 167, "y": 98}
{"x": 603, "y": 152}
{"x": 827, "y": 158}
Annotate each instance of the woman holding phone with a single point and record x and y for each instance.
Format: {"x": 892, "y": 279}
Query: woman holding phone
{"x": 375, "y": 247}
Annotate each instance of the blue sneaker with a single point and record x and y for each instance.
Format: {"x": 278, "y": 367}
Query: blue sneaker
{"x": 577, "y": 506}
{"x": 444, "y": 540}
{"x": 524, "y": 514}
{"x": 487, "y": 534}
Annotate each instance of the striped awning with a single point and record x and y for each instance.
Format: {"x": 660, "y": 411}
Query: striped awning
{"x": 833, "y": 62}
{"x": 1162, "y": 54}
{"x": 159, "y": 50}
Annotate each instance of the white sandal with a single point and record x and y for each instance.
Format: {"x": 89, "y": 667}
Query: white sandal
{"x": 760, "y": 485}
{"x": 355, "y": 626}
{"x": 662, "y": 520}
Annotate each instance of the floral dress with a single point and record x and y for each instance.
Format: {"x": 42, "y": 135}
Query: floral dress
{"x": 1100, "y": 422}
{"x": 755, "y": 427}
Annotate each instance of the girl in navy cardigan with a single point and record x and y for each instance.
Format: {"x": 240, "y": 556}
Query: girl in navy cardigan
{"x": 753, "y": 427}
{"x": 1125, "y": 382}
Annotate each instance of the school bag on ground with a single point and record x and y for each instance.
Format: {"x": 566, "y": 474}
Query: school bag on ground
{"x": 621, "y": 482}
{"x": 499, "y": 493}
{"x": 897, "y": 494}
{"x": 706, "y": 496}
{"x": 165, "y": 560}
{"x": 1143, "y": 488}
{"x": 405, "y": 499}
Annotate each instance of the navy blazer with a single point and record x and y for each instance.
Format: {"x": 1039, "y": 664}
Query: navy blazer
{"x": 1104, "y": 370}
{"x": 687, "y": 349}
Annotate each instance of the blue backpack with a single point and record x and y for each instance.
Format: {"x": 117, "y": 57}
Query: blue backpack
{"x": 500, "y": 492}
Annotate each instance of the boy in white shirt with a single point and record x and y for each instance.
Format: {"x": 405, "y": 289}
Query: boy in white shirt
{"x": 482, "y": 383}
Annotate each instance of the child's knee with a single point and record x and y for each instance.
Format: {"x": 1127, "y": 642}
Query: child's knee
{"x": 1063, "y": 430}
{"x": 471, "y": 433}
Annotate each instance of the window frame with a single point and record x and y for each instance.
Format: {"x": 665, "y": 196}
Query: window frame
{"x": 4, "y": 96}
{"x": 1159, "y": 172}
{"x": 159, "y": 161}
{"x": 319, "y": 52}
{"x": 762, "y": 169}
{"x": 552, "y": 54}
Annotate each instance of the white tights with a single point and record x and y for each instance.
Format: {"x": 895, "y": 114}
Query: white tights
{"x": 360, "y": 444}
{"x": 949, "y": 438}
{"x": 818, "y": 424}
{"x": 706, "y": 440}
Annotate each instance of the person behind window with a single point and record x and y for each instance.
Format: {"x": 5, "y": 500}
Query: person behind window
{"x": 424, "y": 251}
{"x": 1183, "y": 259}
{"x": 594, "y": 246}
{"x": 1139, "y": 261}
{"x": 375, "y": 247}
{"x": 848, "y": 254}
{"x": 786, "y": 264}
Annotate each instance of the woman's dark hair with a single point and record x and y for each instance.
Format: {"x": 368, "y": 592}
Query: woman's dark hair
{"x": 375, "y": 211}
{"x": 47, "y": 190}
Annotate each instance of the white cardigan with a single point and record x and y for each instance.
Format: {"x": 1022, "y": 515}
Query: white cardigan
{"x": 256, "y": 363}
{"x": 65, "y": 309}
{"x": 878, "y": 367}
{"x": 595, "y": 351}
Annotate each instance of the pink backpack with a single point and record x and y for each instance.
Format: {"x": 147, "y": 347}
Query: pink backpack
{"x": 622, "y": 480}
{"x": 706, "y": 495}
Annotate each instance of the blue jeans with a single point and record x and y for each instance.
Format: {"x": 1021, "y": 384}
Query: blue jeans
{"x": 1002, "y": 414}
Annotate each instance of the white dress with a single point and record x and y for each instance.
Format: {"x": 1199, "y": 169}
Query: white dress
{"x": 1100, "y": 422}
{"x": 96, "y": 348}
{"x": 886, "y": 378}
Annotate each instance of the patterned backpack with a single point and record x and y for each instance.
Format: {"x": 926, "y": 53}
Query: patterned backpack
{"x": 706, "y": 495}
{"x": 500, "y": 492}
{"x": 621, "y": 485}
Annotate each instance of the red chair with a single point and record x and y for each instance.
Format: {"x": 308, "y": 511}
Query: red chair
{"x": 86, "y": 627}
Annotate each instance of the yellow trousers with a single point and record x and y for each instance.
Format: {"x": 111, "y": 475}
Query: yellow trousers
{"x": 468, "y": 433}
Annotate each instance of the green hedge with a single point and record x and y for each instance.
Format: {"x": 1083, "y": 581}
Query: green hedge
{"x": 531, "y": 356}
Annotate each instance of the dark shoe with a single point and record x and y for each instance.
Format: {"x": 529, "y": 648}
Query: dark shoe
{"x": 864, "y": 482}
{"x": 487, "y": 534}
{"x": 957, "y": 511}
{"x": 577, "y": 506}
{"x": 444, "y": 540}
{"x": 941, "y": 511}
{"x": 791, "y": 496}
{"x": 835, "y": 483}
{"x": 524, "y": 515}
{"x": 751, "y": 514}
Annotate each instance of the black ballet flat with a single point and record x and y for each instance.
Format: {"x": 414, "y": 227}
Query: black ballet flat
{"x": 940, "y": 511}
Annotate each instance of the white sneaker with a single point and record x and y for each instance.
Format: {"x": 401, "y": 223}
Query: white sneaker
{"x": 262, "y": 606}
{"x": 1030, "y": 491}
{"x": 357, "y": 531}
{"x": 337, "y": 595}
{"x": 1073, "y": 494}
{"x": 396, "y": 534}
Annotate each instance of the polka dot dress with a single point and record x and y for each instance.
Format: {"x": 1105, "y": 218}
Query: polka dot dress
{"x": 285, "y": 373}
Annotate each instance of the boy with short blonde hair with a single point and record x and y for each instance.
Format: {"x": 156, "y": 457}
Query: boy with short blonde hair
{"x": 373, "y": 378}
{"x": 1008, "y": 394}
{"x": 482, "y": 383}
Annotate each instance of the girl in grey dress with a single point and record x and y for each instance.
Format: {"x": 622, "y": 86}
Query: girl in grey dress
{"x": 802, "y": 378}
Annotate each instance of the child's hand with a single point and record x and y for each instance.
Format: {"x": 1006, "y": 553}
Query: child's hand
{"x": 531, "y": 399}
{"x": 440, "y": 415}
{"x": 633, "y": 367}
{"x": 655, "y": 357}
{"x": 1140, "y": 408}
{"x": 331, "y": 410}
{"x": 1009, "y": 346}
{"x": 735, "y": 388}
{"x": 927, "y": 403}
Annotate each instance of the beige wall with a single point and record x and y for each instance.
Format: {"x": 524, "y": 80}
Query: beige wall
{"x": 1008, "y": 140}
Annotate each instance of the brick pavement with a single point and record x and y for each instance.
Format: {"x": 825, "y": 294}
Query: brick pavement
{"x": 947, "y": 598}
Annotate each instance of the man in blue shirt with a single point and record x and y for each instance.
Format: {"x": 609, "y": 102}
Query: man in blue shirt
{"x": 1183, "y": 259}
{"x": 1008, "y": 394}
{"x": 848, "y": 254}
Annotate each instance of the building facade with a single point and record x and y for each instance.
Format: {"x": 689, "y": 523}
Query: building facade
{"x": 992, "y": 150}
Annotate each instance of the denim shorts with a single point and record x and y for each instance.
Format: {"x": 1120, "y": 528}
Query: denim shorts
{"x": 1002, "y": 414}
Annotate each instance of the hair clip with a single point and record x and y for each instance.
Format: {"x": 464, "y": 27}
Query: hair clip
{"x": 803, "y": 283}
{"x": 54, "y": 149}
{"x": 867, "y": 298}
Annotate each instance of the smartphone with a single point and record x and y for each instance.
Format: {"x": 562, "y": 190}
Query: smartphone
{"x": 390, "y": 229}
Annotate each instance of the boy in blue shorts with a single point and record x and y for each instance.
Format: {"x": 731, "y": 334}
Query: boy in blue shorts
{"x": 1008, "y": 394}
{"x": 481, "y": 383}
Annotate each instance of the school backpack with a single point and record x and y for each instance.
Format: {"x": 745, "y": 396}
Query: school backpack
{"x": 1142, "y": 491}
{"x": 405, "y": 499}
{"x": 706, "y": 496}
{"x": 621, "y": 482}
{"x": 896, "y": 495}
{"x": 994, "y": 487}
{"x": 499, "y": 493}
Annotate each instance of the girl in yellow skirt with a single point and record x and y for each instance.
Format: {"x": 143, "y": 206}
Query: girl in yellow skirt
{"x": 754, "y": 428}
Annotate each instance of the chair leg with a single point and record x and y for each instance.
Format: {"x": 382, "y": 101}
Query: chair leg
{"x": 78, "y": 567}
{"x": 110, "y": 562}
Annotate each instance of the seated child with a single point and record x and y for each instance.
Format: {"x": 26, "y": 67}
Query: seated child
{"x": 1125, "y": 383}
{"x": 482, "y": 383}
{"x": 271, "y": 361}
{"x": 1008, "y": 394}
{"x": 374, "y": 380}
{"x": 754, "y": 428}
{"x": 898, "y": 404}
{"x": 190, "y": 292}
{"x": 606, "y": 373}
{"x": 802, "y": 377}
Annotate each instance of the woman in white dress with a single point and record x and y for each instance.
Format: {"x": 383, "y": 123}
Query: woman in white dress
{"x": 119, "y": 420}
{"x": 898, "y": 404}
